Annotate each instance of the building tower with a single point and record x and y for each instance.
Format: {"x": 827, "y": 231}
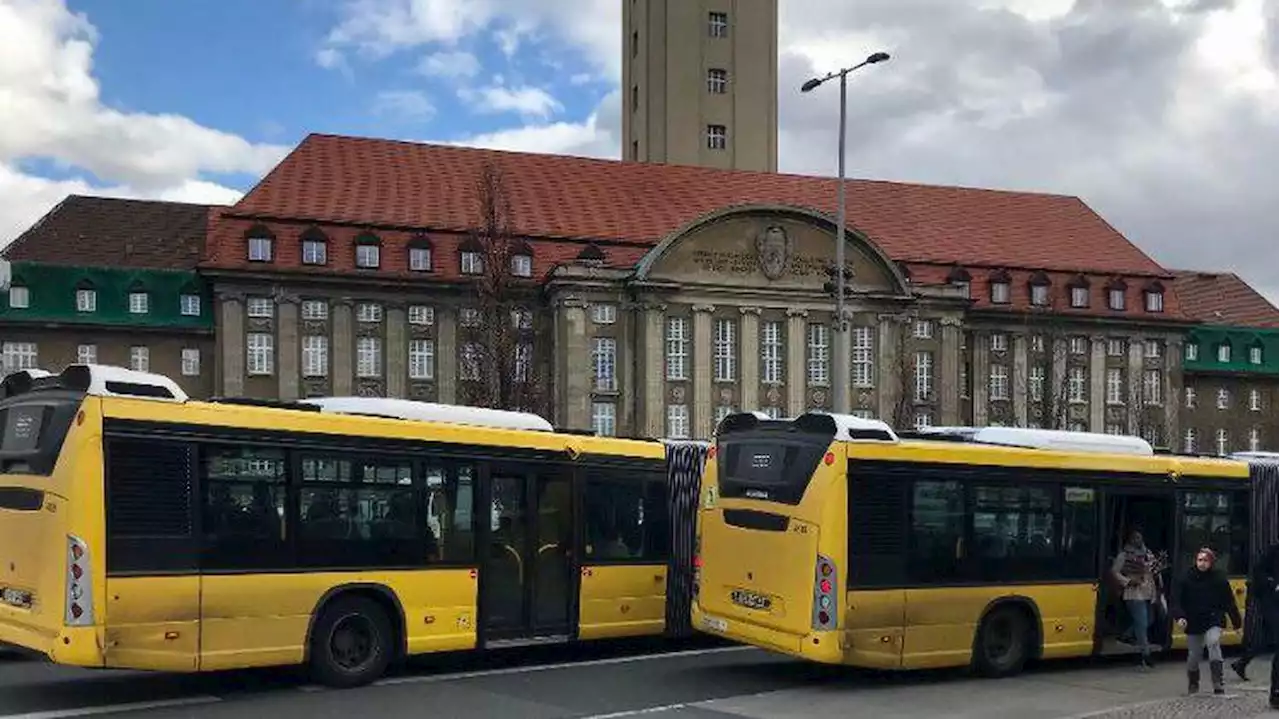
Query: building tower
{"x": 700, "y": 83}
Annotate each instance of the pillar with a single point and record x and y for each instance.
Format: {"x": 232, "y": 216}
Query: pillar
{"x": 654, "y": 370}
{"x": 288, "y": 351}
{"x": 576, "y": 352}
{"x": 231, "y": 334}
{"x": 889, "y": 367}
{"x": 949, "y": 372}
{"x": 702, "y": 414}
{"x": 343, "y": 347}
{"x": 981, "y": 378}
{"x": 1097, "y": 383}
{"x": 750, "y": 359}
{"x": 397, "y": 358}
{"x": 796, "y": 377}
{"x": 1020, "y": 380}
{"x": 1136, "y": 401}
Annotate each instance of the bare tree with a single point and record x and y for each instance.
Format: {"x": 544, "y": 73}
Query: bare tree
{"x": 505, "y": 352}
{"x": 1049, "y": 361}
{"x": 903, "y": 413}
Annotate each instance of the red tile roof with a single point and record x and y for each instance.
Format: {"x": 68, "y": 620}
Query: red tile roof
{"x": 109, "y": 232}
{"x": 1222, "y": 298}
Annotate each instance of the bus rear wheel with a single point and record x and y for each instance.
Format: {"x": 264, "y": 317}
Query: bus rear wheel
{"x": 350, "y": 643}
{"x": 1003, "y": 643}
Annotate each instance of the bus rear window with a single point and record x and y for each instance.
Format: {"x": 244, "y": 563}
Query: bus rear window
{"x": 33, "y": 430}
{"x": 769, "y": 465}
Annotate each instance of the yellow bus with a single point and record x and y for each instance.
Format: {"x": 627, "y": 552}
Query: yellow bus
{"x": 835, "y": 539}
{"x": 140, "y": 529}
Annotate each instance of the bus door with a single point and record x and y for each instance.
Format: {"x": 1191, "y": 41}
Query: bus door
{"x": 1152, "y": 510}
{"x": 527, "y": 581}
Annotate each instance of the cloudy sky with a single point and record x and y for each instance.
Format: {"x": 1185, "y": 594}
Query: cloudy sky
{"x": 1161, "y": 114}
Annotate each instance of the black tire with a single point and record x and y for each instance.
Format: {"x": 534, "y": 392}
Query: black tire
{"x": 1003, "y": 643}
{"x": 351, "y": 643}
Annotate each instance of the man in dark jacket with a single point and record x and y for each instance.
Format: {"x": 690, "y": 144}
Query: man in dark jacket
{"x": 1262, "y": 605}
{"x": 1204, "y": 597}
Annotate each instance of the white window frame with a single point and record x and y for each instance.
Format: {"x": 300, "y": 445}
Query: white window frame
{"x": 924, "y": 375}
{"x": 1153, "y": 387}
{"x": 1224, "y": 353}
{"x": 1040, "y": 295}
{"x": 369, "y": 357}
{"x": 420, "y": 259}
{"x": 1079, "y": 345}
{"x": 678, "y": 421}
{"x": 1255, "y": 355}
{"x": 139, "y": 303}
{"x": 522, "y": 265}
{"x": 1077, "y": 385}
{"x": 87, "y": 354}
{"x": 999, "y": 342}
{"x": 1153, "y": 349}
{"x": 717, "y": 137}
{"x": 923, "y": 330}
{"x": 1255, "y": 439}
{"x": 725, "y": 351}
{"x": 604, "y": 313}
{"x": 1037, "y": 344}
{"x": 1115, "y": 300}
{"x": 772, "y": 367}
{"x": 1189, "y": 397}
{"x": 189, "y": 305}
{"x": 1224, "y": 398}
{"x": 1035, "y": 383}
{"x": 191, "y": 361}
{"x": 1115, "y": 347}
{"x": 315, "y": 310}
{"x": 19, "y": 297}
{"x": 862, "y": 357}
{"x": 369, "y": 313}
{"x": 315, "y": 252}
{"x": 260, "y": 249}
{"x": 604, "y": 418}
{"x": 1255, "y": 400}
{"x": 368, "y": 256}
{"x": 717, "y": 80}
{"x": 422, "y": 315}
{"x": 717, "y": 24}
{"x": 999, "y": 293}
{"x": 604, "y": 361}
{"x": 1154, "y": 301}
{"x": 818, "y": 350}
{"x": 522, "y": 365}
{"x": 315, "y": 356}
{"x": 471, "y": 262}
{"x": 260, "y": 307}
{"x": 1115, "y": 385}
{"x": 86, "y": 300}
{"x": 140, "y": 358}
{"x": 260, "y": 353}
{"x": 17, "y": 356}
{"x": 677, "y": 346}
{"x": 1221, "y": 441}
{"x": 1191, "y": 352}
{"x": 998, "y": 381}
{"x": 1079, "y": 297}
{"x": 1190, "y": 440}
{"x": 422, "y": 359}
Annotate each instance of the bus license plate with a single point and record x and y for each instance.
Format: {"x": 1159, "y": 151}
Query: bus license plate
{"x": 750, "y": 600}
{"x": 15, "y": 597}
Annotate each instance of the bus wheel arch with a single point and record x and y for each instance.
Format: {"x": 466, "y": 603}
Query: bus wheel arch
{"x": 1008, "y": 635}
{"x": 378, "y": 613}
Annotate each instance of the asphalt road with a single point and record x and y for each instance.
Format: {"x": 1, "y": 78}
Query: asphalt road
{"x": 624, "y": 680}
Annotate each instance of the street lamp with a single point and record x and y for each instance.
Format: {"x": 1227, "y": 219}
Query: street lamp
{"x": 842, "y": 326}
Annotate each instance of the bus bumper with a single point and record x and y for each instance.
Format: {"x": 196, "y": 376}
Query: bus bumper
{"x": 76, "y": 646}
{"x": 824, "y": 647}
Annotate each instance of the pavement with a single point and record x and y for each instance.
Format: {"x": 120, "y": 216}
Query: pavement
{"x": 699, "y": 680}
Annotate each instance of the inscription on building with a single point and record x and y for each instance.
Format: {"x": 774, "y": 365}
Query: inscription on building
{"x": 745, "y": 263}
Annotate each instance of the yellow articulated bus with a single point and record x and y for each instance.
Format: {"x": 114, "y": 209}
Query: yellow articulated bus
{"x": 142, "y": 530}
{"x": 835, "y": 539}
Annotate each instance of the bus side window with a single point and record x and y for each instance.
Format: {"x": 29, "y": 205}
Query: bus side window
{"x": 1079, "y": 533}
{"x": 937, "y": 530}
{"x": 450, "y": 534}
{"x": 625, "y": 520}
{"x": 244, "y": 507}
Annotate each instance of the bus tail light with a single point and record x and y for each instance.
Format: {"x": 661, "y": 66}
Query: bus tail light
{"x": 79, "y": 593}
{"x": 825, "y": 604}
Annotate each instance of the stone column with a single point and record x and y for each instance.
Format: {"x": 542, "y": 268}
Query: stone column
{"x": 1061, "y": 350}
{"x": 654, "y": 370}
{"x": 795, "y": 375}
{"x": 397, "y": 351}
{"x": 1136, "y": 402}
{"x": 629, "y": 353}
{"x": 702, "y": 415}
{"x": 580, "y": 370}
{"x": 889, "y": 367}
{"x": 231, "y": 335}
{"x": 981, "y": 378}
{"x": 1020, "y": 380}
{"x": 1097, "y": 383}
{"x": 343, "y": 347}
{"x": 447, "y": 355}
{"x": 288, "y": 352}
{"x": 750, "y": 359}
{"x": 949, "y": 376}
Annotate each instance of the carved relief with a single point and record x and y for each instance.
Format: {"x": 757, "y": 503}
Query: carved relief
{"x": 259, "y": 324}
{"x": 368, "y": 329}
{"x": 424, "y": 391}
{"x": 315, "y": 386}
{"x": 420, "y": 332}
{"x": 678, "y": 394}
{"x": 315, "y": 327}
{"x": 370, "y": 387}
{"x": 726, "y": 395}
{"x": 773, "y": 395}
{"x": 773, "y": 251}
{"x": 818, "y": 398}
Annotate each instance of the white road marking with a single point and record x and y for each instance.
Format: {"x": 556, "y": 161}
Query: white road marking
{"x": 115, "y": 708}
{"x": 647, "y": 710}
{"x": 433, "y": 678}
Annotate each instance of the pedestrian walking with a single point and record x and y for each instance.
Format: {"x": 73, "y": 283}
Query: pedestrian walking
{"x": 1260, "y": 611}
{"x": 1135, "y": 569}
{"x": 1203, "y": 598}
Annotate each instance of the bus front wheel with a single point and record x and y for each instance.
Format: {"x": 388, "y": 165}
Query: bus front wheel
{"x": 1003, "y": 643}
{"x": 350, "y": 643}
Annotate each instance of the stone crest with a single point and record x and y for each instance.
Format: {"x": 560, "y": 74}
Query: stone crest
{"x": 773, "y": 250}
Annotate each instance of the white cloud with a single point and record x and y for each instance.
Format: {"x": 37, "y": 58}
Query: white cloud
{"x": 404, "y": 105}
{"x": 531, "y": 102}
{"x": 451, "y": 65}
{"x": 594, "y": 137}
{"x": 53, "y": 112}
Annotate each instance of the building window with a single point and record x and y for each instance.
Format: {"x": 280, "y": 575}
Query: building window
{"x": 1153, "y": 349}
{"x": 523, "y": 362}
{"x": 1076, "y": 385}
{"x": 1192, "y": 352}
{"x": 999, "y": 343}
{"x": 420, "y": 259}
{"x": 923, "y": 330}
{"x": 1079, "y": 297}
{"x": 1115, "y": 385}
{"x": 1224, "y": 353}
{"x": 999, "y": 382}
{"x": 1079, "y": 345}
{"x": 260, "y": 307}
{"x": 717, "y": 137}
{"x": 369, "y": 357}
{"x": 1255, "y": 355}
{"x": 604, "y": 356}
{"x": 190, "y": 362}
{"x": 87, "y": 354}
{"x": 315, "y": 252}
{"x": 999, "y": 293}
{"x": 604, "y": 418}
{"x": 1113, "y": 428}
{"x": 522, "y": 319}
{"x": 1037, "y": 344}
{"x": 17, "y": 356}
{"x": 862, "y": 361}
{"x": 1115, "y": 347}
{"x": 718, "y": 24}
{"x": 86, "y": 301}
{"x": 1255, "y": 439}
{"x": 771, "y": 368}
{"x": 422, "y": 315}
{"x": 725, "y": 349}
{"x": 368, "y": 256}
{"x": 1190, "y": 397}
{"x": 924, "y": 419}
{"x": 189, "y": 305}
{"x": 717, "y": 81}
{"x": 1115, "y": 299}
{"x": 1255, "y": 400}
{"x": 1155, "y": 301}
{"x": 604, "y": 314}
{"x": 964, "y": 287}
{"x": 1040, "y": 295}
{"x": 260, "y": 349}
{"x": 722, "y": 411}
{"x": 472, "y": 263}
{"x": 369, "y": 312}
{"x": 315, "y": 356}
{"x": 317, "y": 310}
{"x": 259, "y": 249}
{"x": 819, "y": 358}
{"x": 139, "y": 302}
{"x": 1189, "y": 440}
{"x": 140, "y": 358}
{"x": 19, "y": 297}
{"x": 1035, "y": 384}
{"x": 422, "y": 359}
{"x": 677, "y": 348}
{"x": 924, "y": 376}
{"x": 1152, "y": 386}
{"x": 1224, "y": 398}
{"x": 1221, "y": 441}
{"x": 678, "y": 421}
{"x": 522, "y": 265}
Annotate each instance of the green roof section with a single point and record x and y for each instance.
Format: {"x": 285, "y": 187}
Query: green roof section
{"x": 52, "y": 291}
{"x": 1220, "y": 348}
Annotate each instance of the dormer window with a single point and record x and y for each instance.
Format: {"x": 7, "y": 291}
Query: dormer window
{"x": 1078, "y": 292}
{"x": 420, "y": 254}
{"x": 315, "y": 247}
{"x": 522, "y": 261}
{"x": 19, "y": 297}
{"x": 139, "y": 302}
{"x": 1255, "y": 354}
{"x": 86, "y": 297}
{"x": 259, "y": 244}
{"x": 960, "y": 278}
{"x": 471, "y": 258}
{"x": 1153, "y": 297}
{"x": 368, "y": 252}
{"x": 189, "y": 304}
{"x": 1192, "y": 352}
{"x": 1039, "y": 287}
{"x": 1000, "y": 288}
{"x": 1115, "y": 295}
{"x": 1224, "y": 352}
